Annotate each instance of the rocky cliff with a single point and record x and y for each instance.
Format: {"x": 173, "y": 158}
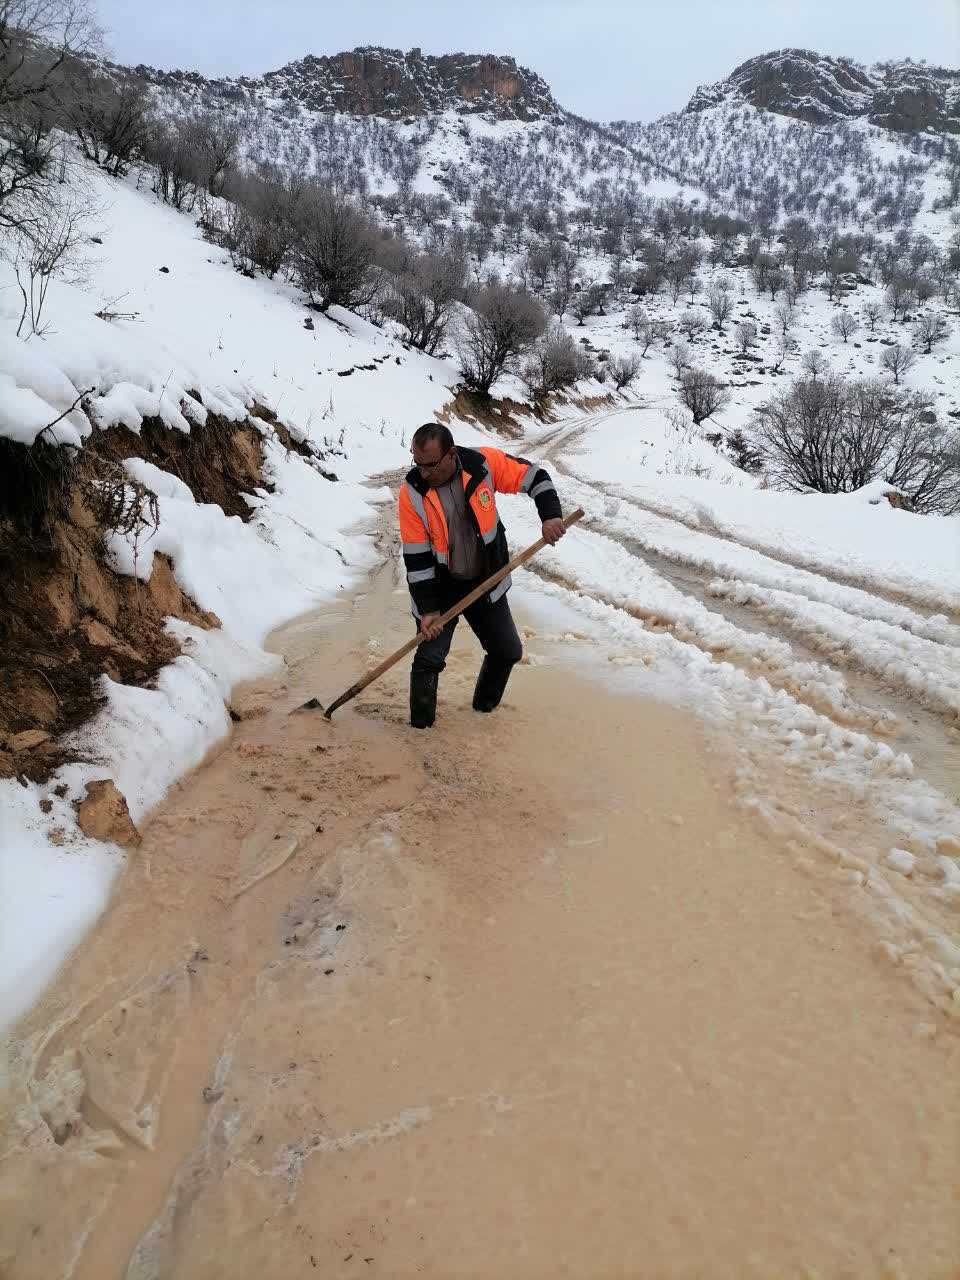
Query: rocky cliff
{"x": 387, "y": 82}
{"x": 903, "y": 96}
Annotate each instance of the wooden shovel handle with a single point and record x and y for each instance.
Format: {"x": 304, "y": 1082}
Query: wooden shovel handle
{"x": 455, "y": 612}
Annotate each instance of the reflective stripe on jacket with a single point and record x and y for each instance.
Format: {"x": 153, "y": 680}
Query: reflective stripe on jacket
{"x": 423, "y": 526}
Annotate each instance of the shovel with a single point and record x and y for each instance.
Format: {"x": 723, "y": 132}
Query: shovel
{"x": 465, "y": 603}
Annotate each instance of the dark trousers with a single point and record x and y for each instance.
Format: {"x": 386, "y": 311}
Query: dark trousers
{"x": 492, "y": 624}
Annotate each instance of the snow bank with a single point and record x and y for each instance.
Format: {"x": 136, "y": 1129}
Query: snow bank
{"x": 856, "y": 538}
{"x": 202, "y": 333}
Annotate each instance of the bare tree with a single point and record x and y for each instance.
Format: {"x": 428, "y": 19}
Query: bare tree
{"x": 679, "y": 359}
{"x": 897, "y": 360}
{"x": 538, "y": 265}
{"x": 258, "y": 222}
{"x": 624, "y": 370}
{"x": 177, "y": 161}
{"x": 422, "y": 297}
{"x": 721, "y": 307}
{"x": 218, "y": 141}
{"x": 37, "y": 39}
{"x": 843, "y": 325}
{"x": 898, "y": 296}
{"x": 872, "y": 312}
{"x": 636, "y": 321}
{"x": 784, "y": 314}
{"x": 815, "y": 364}
{"x": 647, "y": 331}
{"x": 785, "y": 347}
{"x": 746, "y": 333}
{"x": 692, "y": 322}
{"x": 334, "y": 251}
{"x": 702, "y": 393}
{"x": 502, "y": 325}
{"x": 565, "y": 278}
{"x": 931, "y": 328}
{"x": 834, "y": 436}
{"x": 586, "y": 302}
{"x": 111, "y": 121}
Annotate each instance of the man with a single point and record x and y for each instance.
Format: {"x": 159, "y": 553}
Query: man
{"x": 452, "y": 540}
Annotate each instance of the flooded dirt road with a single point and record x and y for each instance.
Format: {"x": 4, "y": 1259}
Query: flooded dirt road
{"x": 527, "y": 995}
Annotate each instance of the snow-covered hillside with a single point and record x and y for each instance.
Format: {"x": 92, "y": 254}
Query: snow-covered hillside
{"x": 192, "y": 339}
{"x": 743, "y": 246}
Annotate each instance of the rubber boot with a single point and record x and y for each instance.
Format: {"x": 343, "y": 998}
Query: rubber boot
{"x": 491, "y": 682}
{"x": 423, "y": 698}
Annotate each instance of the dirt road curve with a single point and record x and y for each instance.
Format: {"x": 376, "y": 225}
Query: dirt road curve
{"x": 524, "y": 996}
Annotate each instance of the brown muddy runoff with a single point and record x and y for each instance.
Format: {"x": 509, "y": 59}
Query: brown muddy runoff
{"x": 528, "y": 995}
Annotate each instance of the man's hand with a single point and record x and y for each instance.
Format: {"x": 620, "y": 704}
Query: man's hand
{"x": 430, "y": 625}
{"x": 553, "y": 531}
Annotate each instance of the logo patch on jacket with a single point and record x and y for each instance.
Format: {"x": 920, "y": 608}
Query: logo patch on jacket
{"x": 484, "y": 498}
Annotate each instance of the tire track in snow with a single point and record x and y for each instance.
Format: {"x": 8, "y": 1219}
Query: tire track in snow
{"x": 596, "y": 561}
{"x": 880, "y": 652}
{"x": 913, "y": 595}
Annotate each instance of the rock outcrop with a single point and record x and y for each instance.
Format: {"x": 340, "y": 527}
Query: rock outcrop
{"x": 385, "y": 82}
{"x": 902, "y": 96}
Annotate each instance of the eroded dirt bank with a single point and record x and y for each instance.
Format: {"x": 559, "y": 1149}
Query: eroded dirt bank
{"x": 527, "y": 995}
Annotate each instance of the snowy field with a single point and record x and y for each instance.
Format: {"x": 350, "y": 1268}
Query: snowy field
{"x": 814, "y": 628}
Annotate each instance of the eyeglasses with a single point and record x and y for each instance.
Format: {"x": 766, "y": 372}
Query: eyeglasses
{"x": 426, "y": 468}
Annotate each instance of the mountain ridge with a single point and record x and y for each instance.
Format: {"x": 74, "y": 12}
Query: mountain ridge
{"x": 392, "y": 83}
{"x": 902, "y": 96}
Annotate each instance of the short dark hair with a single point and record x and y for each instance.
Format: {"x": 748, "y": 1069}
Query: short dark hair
{"x": 433, "y": 431}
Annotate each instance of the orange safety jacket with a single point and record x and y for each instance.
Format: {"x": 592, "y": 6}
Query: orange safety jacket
{"x": 423, "y": 524}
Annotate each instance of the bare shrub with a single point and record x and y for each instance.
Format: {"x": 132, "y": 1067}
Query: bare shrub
{"x": 47, "y": 245}
{"x": 177, "y": 161}
{"x": 422, "y": 298}
{"x": 555, "y": 364}
{"x": 501, "y": 326}
{"x": 692, "y": 322}
{"x": 624, "y": 370}
{"x": 111, "y": 122}
{"x": 334, "y": 251}
{"x": 834, "y": 436}
{"x": 38, "y": 39}
{"x": 702, "y": 393}
{"x": 743, "y": 454}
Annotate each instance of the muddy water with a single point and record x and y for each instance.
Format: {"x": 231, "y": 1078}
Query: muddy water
{"x": 526, "y": 995}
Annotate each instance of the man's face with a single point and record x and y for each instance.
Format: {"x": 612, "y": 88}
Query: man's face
{"x": 436, "y": 466}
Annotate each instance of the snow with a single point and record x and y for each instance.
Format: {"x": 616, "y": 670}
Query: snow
{"x": 755, "y": 608}
{"x": 200, "y": 330}
{"x": 49, "y": 894}
{"x": 901, "y": 860}
{"x": 640, "y": 458}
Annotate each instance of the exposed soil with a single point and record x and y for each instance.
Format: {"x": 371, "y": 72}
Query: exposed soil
{"x": 66, "y": 618}
{"x": 507, "y": 416}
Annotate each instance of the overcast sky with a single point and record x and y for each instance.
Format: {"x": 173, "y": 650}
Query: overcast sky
{"x": 605, "y": 59}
